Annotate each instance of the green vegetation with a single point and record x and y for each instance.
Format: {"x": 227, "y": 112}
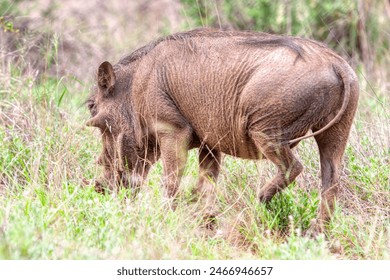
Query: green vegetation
{"x": 346, "y": 26}
{"x": 49, "y": 209}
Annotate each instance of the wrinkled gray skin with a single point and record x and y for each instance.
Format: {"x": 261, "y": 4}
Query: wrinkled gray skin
{"x": 244, "y": 94}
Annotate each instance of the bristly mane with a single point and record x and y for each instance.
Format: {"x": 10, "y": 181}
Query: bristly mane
{"x": 250, "y": 38}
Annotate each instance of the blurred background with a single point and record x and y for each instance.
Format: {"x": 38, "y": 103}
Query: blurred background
{"x": 69, "y": 38}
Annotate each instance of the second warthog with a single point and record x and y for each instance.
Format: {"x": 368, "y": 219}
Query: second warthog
{"x": 246, "y": 94}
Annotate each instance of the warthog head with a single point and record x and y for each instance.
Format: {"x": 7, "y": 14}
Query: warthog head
{"x": 122, "y": 157}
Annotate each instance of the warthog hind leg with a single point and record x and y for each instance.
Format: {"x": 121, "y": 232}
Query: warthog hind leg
{"x": 288, "y": 169}
{"x": 331, "y": 145}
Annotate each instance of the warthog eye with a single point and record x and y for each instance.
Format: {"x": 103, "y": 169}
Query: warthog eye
{"x": 91, "y": 106}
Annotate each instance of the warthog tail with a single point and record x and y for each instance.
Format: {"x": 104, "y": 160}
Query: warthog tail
{"x": 347, "y": 93}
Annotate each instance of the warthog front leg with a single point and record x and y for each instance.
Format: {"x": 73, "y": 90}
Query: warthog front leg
{"x": 174, "y": 148}
{"x": 209, "y": 166}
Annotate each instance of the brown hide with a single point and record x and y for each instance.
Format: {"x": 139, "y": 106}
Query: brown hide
{"x": 246, "y": 94}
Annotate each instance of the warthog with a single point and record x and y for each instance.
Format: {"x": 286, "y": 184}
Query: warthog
{"x": 246, "y": 94}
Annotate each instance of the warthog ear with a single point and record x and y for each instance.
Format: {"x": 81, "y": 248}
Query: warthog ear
{"x": 97, "y": 121}
{"x": 106, "y": 78}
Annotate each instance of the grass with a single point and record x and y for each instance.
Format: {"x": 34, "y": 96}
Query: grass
{"x": 49, "y": 210}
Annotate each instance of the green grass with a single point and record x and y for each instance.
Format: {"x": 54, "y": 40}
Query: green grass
{"x": 49, "y": 209}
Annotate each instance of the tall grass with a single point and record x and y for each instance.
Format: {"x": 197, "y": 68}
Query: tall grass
{"x": 49, "y": 209}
